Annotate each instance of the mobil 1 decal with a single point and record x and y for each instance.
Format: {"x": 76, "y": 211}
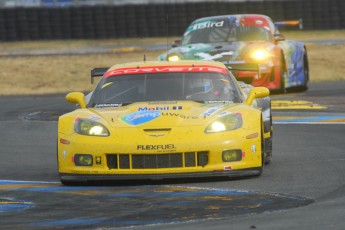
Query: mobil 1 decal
{"x": 160, "y": 108}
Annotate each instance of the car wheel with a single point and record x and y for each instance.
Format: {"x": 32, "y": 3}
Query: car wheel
{"x": 268, "y": 154}
{"x": 268, "y": 145}
{"x": 305, "y": 71}
{"x": 282, "y": 88}
{"x": 262, "y": 153}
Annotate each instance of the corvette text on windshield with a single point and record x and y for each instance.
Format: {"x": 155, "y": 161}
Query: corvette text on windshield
{"x": 163, "y": 69}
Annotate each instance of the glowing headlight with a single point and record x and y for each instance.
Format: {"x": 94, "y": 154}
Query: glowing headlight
{"x": 225, "y": 123}
{"x": 217, "y": 126}
{"x": 173, "y": 58}
{"x": 260, "y": 54}
{"x": 90, "y": 128}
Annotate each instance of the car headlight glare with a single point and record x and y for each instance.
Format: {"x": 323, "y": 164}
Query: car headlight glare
{"x": 90, "y": 128}
{"x": 218, "y": 126}
{"x": 260, "y": 55}
{"x": 173, "y": 58}
{"x": 225, "y": 123}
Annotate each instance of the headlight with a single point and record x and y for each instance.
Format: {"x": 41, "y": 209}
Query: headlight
{"x": 232, "y": 155}
{"x": 83, "y": 160}
{"x": 260, "y": 54}
{"x": 225, "y": 123}
{"x": 90, "y": 127}
{"x": 173, "y": 58}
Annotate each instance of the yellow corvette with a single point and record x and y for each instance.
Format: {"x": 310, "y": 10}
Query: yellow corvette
{"x": 156, "y": 120}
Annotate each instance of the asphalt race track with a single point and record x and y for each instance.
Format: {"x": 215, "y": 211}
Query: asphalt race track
{"x": 303, "y": 187}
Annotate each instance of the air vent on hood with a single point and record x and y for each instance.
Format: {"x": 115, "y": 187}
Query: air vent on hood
{"x": 157, "y": 130}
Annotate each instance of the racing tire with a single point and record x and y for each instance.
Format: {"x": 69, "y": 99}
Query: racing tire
{"x": 268, "y": 155}
{"x": 282, "y": 88}
{"x": 262, "y": 152}
{"x": 304, "y": 87}
{"x": 268, "y": 146}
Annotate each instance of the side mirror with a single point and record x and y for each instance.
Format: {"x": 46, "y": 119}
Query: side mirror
{"x": 257, "y": 92}
{"x": 176, "y": 43}
{"x": 76, "y": 98}
{"x": 279, "y": 37}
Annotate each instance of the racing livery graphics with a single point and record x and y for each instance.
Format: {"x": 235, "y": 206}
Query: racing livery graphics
{"x": 250, "y": 45}
{"x": 170, "y": 120}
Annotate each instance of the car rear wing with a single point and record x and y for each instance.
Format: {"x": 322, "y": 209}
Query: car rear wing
{"x": 98, "y": 72}
{"x": 298, "y": 23}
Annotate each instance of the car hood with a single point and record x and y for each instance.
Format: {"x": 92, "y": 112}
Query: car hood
{"x": 161, "y": 114}
{"x": 223, "y": 52}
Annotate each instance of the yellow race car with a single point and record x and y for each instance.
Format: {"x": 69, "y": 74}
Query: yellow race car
{"x": 156, "y": 120}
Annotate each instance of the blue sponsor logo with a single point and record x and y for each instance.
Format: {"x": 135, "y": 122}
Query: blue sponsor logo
{"x": 140, "y": 117}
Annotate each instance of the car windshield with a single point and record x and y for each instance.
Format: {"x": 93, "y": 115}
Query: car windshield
{"x": 131, "y": 88}
{"x": 218, "y": 32}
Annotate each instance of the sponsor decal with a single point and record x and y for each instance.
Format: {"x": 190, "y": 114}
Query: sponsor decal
{"x": 253, "y": 149}
{"x": 165, "y": 69}
{"x": 156, "y": 147}
{"x": 223, "y": 113}
{"x": 156, "y": 135}
{"x": 177, "y": 107}
{"x": 207, "y": 24}
{"x": 156, "y": 108}
{"x": 211, "y": 111}
{"x": 179, "y": 115}
{"x": 140, "y": 117}
{"x": 160, "y": 108}
{"x": 64, "y": 153}
{"x": 107, "y": 105}
{"x": 94, "y": 118}
{"x": 228, "y": 167}
{"x": 223, "y": 102}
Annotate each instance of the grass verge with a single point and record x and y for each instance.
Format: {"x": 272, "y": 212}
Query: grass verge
{"x": 62, "y": 74}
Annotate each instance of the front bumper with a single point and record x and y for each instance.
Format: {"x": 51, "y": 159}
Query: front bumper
{"x": 256, "y": 75}
{"x": 67, "y": 177}
{"x": 174, "y": 156}
{"x": 254, "y": 78}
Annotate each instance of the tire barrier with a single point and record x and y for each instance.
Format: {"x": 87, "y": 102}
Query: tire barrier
{"x": 150, "y": 20}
